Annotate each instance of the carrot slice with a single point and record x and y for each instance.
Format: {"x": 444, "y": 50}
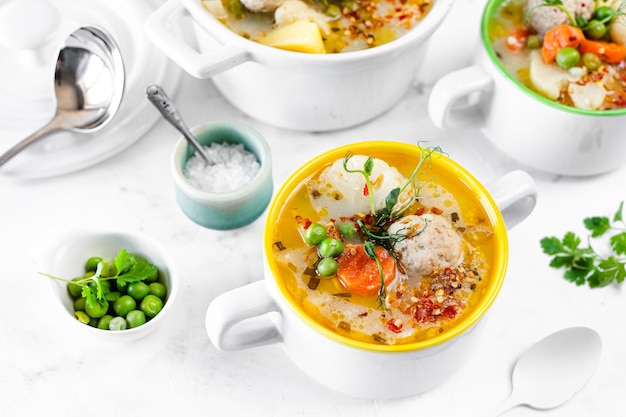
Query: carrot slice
{"x": 606, "y": 51}
{"x": 359, "y": 273}
{"x": 558, "y": 38}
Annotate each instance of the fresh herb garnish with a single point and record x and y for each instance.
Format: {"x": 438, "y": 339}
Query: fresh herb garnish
{"x": 129, "y": 268}
{"x": 582, "y": 264}
{"x": 382, "y": 292}
{"x": 375, "y": 233}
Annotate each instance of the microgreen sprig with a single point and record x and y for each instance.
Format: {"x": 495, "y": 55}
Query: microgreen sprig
{"x": 382, "y": 292}
{"x": 582, "y": 264}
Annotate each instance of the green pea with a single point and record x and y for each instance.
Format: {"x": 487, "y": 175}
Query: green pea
{"x": 135, "y": 318}
{"x": 604, "y": 13}
{"x": 104, "y": 321}
{"x": 118, "y": 323}
{"x": 105, "y": 284}
{"x": 108, "y": 268}
{"x": 96, "y": 308}
{"x": 82, "y": 317}
{"x": 75, "y": 289}
{"x": 348, "y": 230}
{"x": 79, "y": 304}
{"x": 595, "y": 29}
{"x": 327, "y": 267}
{"x": 153, "y": 276}
{"x": 138, "y": 290}
{"x": 151, "y": 305}
{"x": 567, "y": 57}
{"x": 124, "y": 304}
{"x": 591, "y": 61}
{"x": 92, "y": 263}
{"x": 533, "y": 42}
{"x": 158, "y": 289}
{"x": 314, "y": 234}
{"x": 333, "y": 11}
{"x": 330, "y": 247}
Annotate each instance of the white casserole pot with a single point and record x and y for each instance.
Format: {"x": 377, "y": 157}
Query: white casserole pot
{"x": 294, "y": 90}
{"x": 265, "y": 312}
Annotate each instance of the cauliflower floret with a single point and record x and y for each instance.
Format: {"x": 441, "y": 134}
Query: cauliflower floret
{"x": 544, "y": 18}
{"x": 431, "y": 244}
{"x": 294, "y": 10}
{"x": 589, "y": 96}
{"x": 263, "y": 6}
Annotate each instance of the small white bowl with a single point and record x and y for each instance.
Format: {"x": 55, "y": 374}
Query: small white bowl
{"x": 233, "y": 209}
{"x": 63, "y": 253}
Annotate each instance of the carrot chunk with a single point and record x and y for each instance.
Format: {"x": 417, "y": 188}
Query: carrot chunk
{"x": 359, "y": 273}
{"x": 558, "y": 38}
{"x": 606, "y": 51}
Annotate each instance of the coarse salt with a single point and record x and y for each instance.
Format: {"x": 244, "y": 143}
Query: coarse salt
{"x": 232, "y": 168}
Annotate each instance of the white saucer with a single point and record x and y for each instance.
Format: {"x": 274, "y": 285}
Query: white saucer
{"x": 27, "y": 96}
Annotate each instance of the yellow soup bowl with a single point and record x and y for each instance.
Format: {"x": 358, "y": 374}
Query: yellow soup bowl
{"x": 348, "y": 361}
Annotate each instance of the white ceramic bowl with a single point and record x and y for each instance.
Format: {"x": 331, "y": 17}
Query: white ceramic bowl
{"x": 63, "y": 253}
{"x": 294, "y": 90}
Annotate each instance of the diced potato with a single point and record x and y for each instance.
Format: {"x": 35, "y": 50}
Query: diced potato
{"x": 300, "y": 36}
{"x": 589, "y": 96}
{"x": 548, "y": 79}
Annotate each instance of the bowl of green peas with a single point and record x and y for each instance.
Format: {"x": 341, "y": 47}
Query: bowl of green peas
{"x": 117, "y": 285}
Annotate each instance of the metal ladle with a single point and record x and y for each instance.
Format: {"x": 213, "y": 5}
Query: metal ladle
{"x": 88, "y": 85}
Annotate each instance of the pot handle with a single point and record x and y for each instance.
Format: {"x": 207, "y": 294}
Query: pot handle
{"x": 240, "y": 318}
{"x": 515, "y": 195}
{"x": 159, "y": 29}
{"x": 456, "y": 98}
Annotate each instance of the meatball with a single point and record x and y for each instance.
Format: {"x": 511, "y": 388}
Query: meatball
{"x": 263, "y": 6}
{"x": 431, "y": 244}
{"x": 544, "y": 18}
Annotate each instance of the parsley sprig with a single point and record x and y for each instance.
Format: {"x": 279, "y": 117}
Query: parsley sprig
{"x": 129, "y": 268}
{"x": 582, "y": 264}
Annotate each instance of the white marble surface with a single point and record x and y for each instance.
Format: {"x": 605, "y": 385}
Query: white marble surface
{"x": 46, "y": 369}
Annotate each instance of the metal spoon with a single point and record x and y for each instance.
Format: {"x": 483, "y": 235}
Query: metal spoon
{"x": 162, "y": 102}
{"x": 88, "y": 84}
{"x": 553, "y": 370}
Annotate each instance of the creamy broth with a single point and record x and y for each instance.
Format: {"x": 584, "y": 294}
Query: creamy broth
{"x": 332, "y": 26}
{"x": 413, "y": 309}
{"x": 588, "y": 71}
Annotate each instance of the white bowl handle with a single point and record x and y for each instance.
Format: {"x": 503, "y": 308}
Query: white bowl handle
{"x": 515, "y": 195}
{"x": 456, "y": 97}
{"x": 239, "y": 319}
{"x": 158, "y": 28}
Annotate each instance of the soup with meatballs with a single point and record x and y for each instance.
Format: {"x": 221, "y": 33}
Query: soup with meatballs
{"x": 569, "y": 51}
{"x": 384, "y": 248}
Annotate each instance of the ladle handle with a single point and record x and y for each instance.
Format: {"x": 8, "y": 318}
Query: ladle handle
{"x": 166, "y": 106}
{"x": 54, "y": 125}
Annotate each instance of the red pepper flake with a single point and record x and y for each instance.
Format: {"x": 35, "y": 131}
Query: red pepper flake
{"x": 366, "y": 191}
{"x": 450, "y": 312}
{"x": 305, "y": 223}
{"x": 395, "y": 325}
